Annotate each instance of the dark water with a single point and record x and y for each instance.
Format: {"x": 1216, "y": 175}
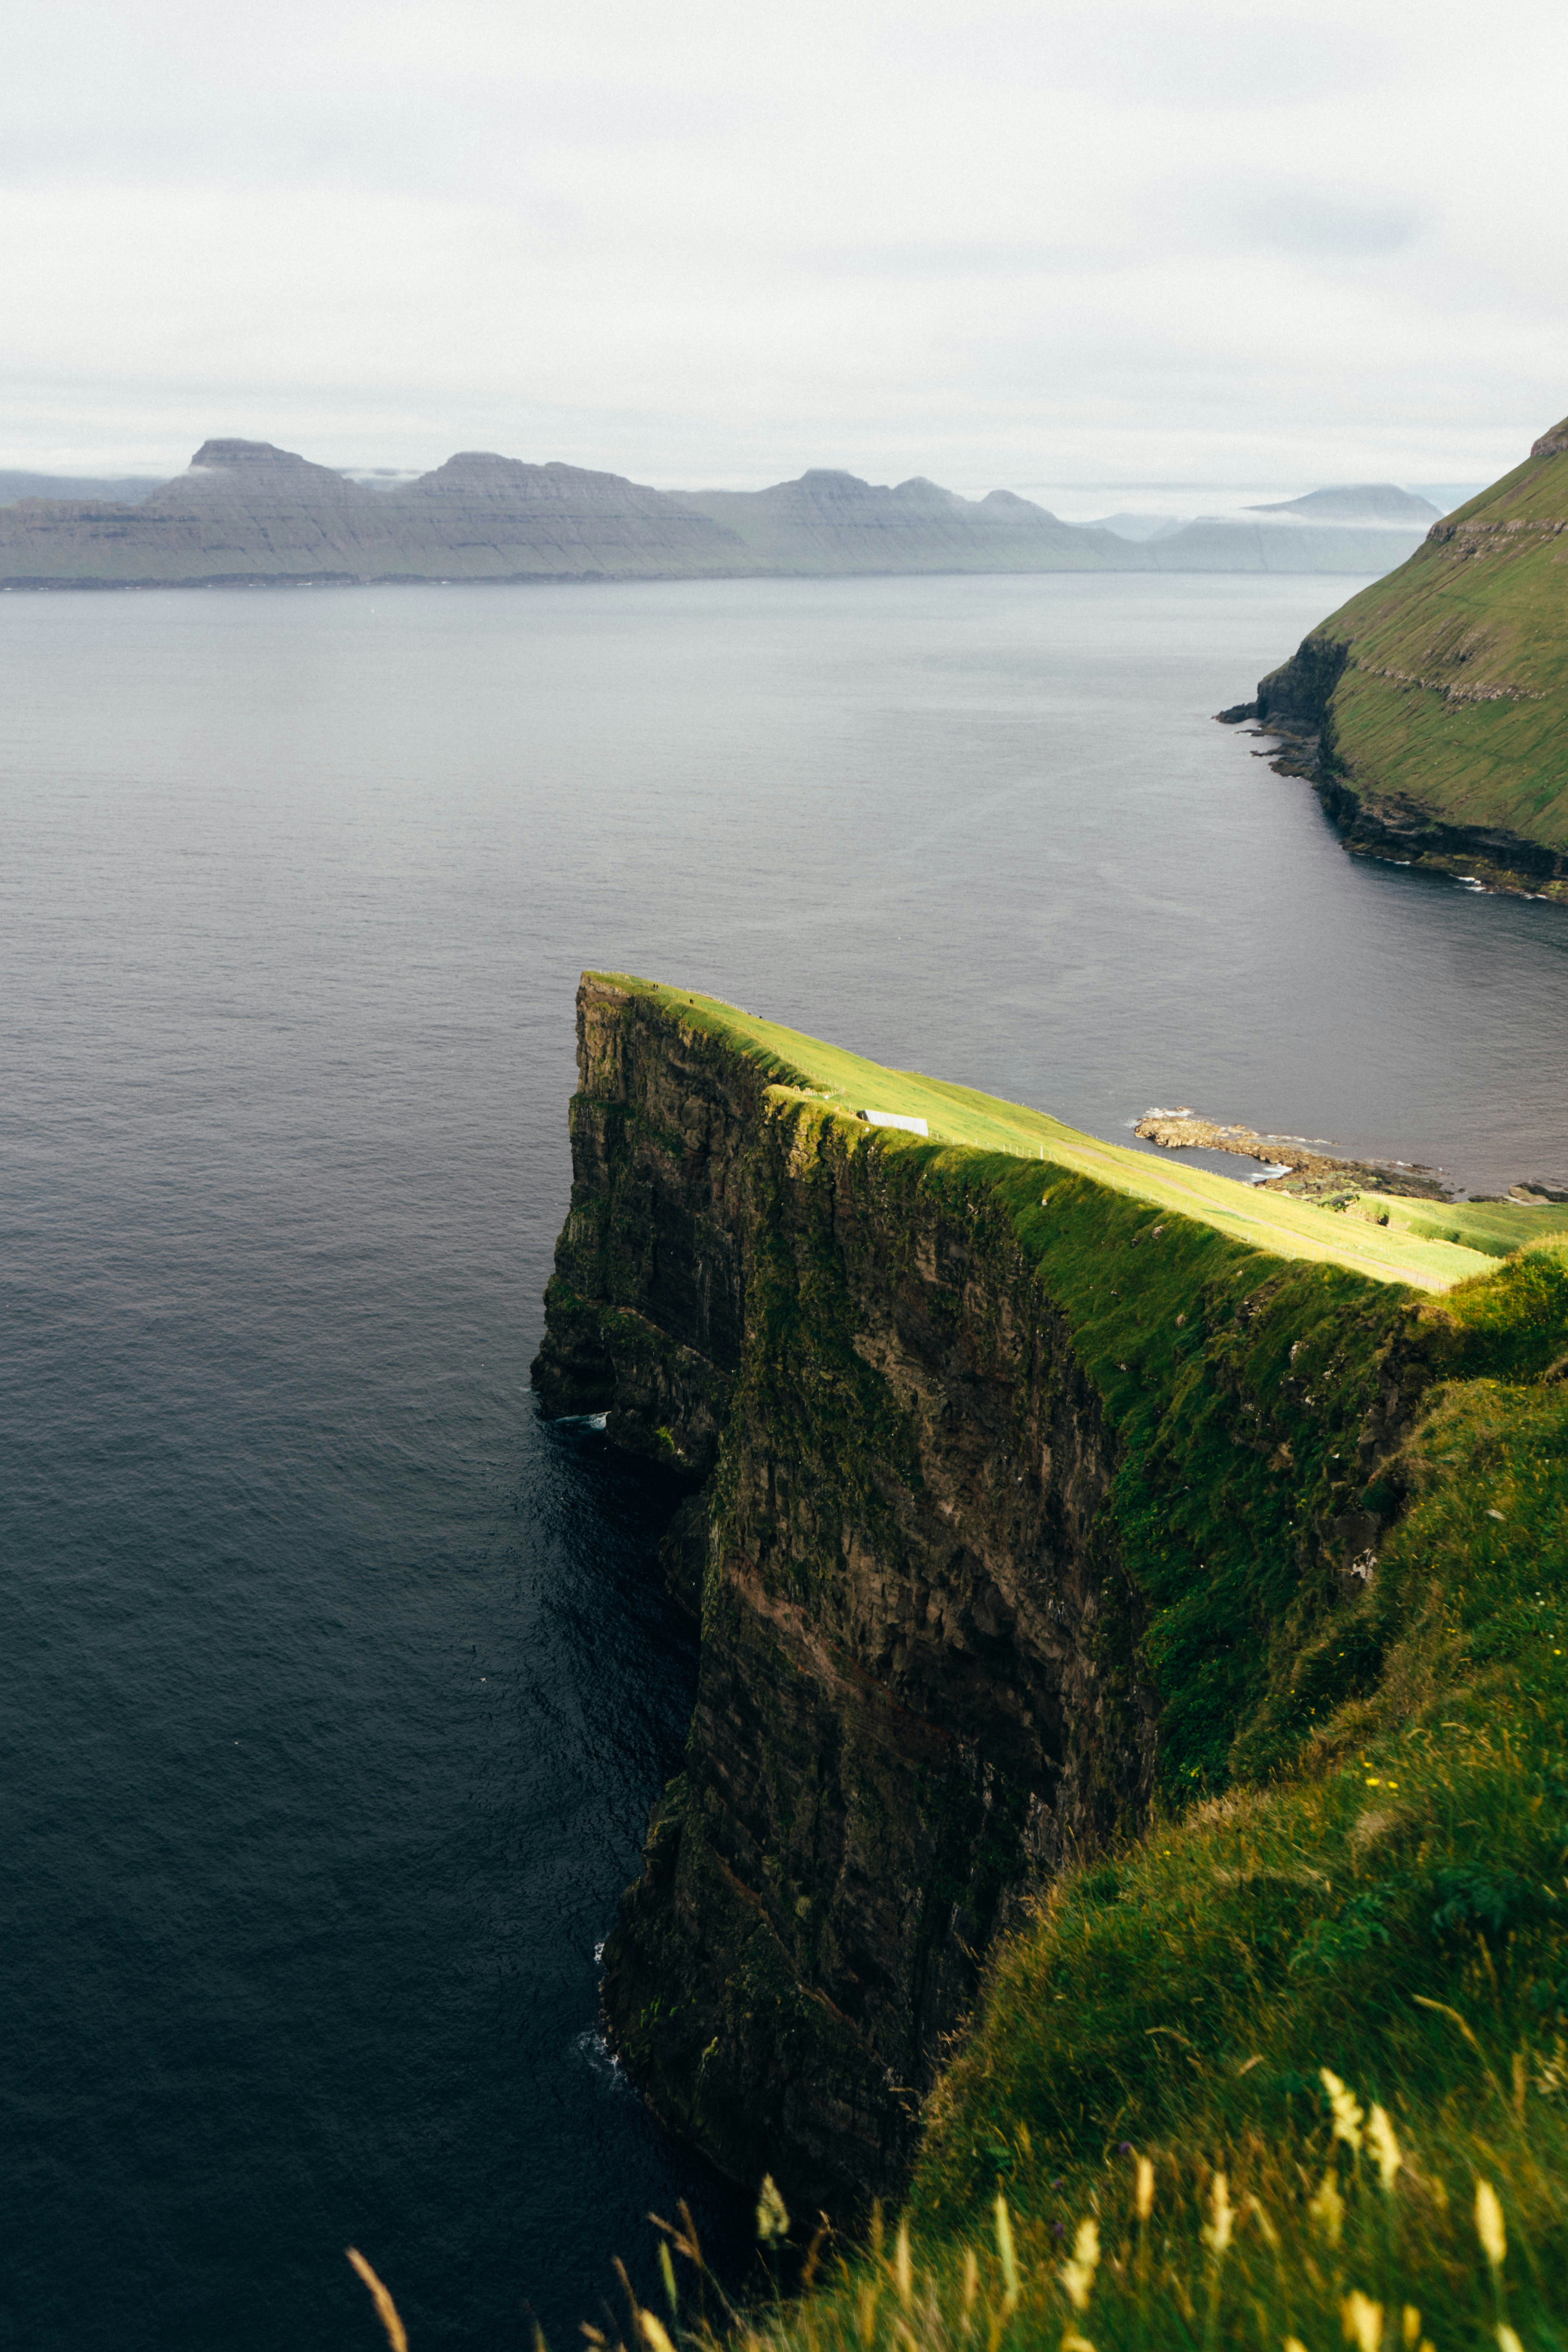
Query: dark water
{"x": 334, "y": 1688}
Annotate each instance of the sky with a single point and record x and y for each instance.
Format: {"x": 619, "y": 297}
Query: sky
{"x": 1222, "y": 250}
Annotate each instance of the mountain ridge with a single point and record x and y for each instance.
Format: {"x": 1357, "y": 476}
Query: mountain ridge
{"x": 250, "y": 513}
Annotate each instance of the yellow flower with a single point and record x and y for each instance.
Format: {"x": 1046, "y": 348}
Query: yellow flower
{"x": 1143, "y": 2198}
{"x": 1328, "y": 2208}
{"x": 1217, "y": 2229}
{"x": 1384, "y": 2146}
{"x": 1361, "y": 2320}
{"x": 1348, "y": 2116}
{"x": 1077, "y": 2275}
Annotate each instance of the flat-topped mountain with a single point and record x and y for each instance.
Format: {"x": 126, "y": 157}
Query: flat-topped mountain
{"x": 245, "y": 513}
{"x": 1357, "y": 527}
{"x": 1432, "y": 709}
{"x": 1374, "y": 502}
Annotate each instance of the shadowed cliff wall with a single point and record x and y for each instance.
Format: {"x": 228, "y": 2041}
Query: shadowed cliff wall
{"x": 1021, "y": 1499}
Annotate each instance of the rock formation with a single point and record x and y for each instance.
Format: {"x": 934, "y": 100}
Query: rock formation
{"x": 928, "y": 1672}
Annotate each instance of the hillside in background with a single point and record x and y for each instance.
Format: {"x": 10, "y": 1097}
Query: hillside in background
{"x": 1432, "y": 709}
{"x": 247, "y": 512}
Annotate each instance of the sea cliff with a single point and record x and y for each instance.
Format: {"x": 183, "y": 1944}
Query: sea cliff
{"x": 1429, "y": 710}
{"x": 1024, "y": 1495}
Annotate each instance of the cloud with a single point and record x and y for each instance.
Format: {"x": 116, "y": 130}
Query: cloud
{"x": 701, "y": 242}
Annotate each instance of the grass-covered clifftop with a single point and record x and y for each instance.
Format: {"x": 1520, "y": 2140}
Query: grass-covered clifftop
{"x": 1326, "y": 1567}
{"x": 1436, "y": 699}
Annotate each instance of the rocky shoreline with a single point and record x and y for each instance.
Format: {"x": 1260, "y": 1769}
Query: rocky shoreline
{"x": 1292, "y": 712}
{"x": 1308, "y": 1168}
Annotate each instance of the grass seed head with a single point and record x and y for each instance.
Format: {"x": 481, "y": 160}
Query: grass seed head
{"x": 1143, "y": 2196}
{"x": 1004, "y": 2252}
{"x": 386, "y": 2309}
{"x": 772, "y": 2214}
{"x": 1490, "y": 2227}
{"x": 1077, "y": 2275}
{"x": 1328, "y": 2210}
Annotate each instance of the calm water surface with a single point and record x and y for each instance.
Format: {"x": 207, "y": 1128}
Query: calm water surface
{"x": 334, "y": 1688}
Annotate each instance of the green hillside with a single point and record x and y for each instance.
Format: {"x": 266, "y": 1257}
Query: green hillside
{"x": 1290, "y": 2069}
{"x": 1435, "y": 703}
{"x": 1428, "y": 1244}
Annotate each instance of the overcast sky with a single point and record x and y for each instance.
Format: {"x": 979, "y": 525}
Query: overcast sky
{"x": 1270, "y": 245}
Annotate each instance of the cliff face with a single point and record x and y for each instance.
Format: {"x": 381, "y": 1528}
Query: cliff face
{"x": 1430, "y": 710}
{"x": 901, "y": 1715}
{"x": 933, "y": 1624}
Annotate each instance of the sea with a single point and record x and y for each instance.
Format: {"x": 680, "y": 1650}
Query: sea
{"x": 335, "y": 1684}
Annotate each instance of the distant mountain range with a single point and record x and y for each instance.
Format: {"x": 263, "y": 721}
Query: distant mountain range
{"x": 245, "y": 513}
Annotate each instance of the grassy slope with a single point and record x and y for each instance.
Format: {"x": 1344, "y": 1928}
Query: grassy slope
{"x": 1402, "y": 1250}
{"x": 1482, "y": 609}
{"x": 1381, "y": 1887}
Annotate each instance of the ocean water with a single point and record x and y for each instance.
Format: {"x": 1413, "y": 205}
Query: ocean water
{"x": 334, "y": 1687}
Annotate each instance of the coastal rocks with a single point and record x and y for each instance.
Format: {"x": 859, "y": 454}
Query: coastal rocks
{"x": 1306, "y": 1168}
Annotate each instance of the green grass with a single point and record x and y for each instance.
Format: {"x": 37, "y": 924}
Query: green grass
{"x": 1394, "y": 1911}
{"x": 1413, "y": 1247}
{"x": 1479, "y": 613}
{"x": 1375, "y": 1882}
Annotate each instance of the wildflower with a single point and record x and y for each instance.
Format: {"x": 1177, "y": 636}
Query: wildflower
{"x": 1328, "y": 2208}
{"x": 1348, "y": 2116}
{"x": 1218, "y": 2227}
{"x": 1411, "y": 2328}
{"x": 1507, "y": 2340}
{"x": 1294, "y": 2344}
{"x": 1077, "y": 2275}
{"x": 1490, "y": 2227}
{"x": 772, "y": 2214}
{"x": 1143, "y": 2204}
{"x": 1361, "y": 2320}
{"x": 1384, "y": 2146}
{"x": 1004, "y": 2252}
